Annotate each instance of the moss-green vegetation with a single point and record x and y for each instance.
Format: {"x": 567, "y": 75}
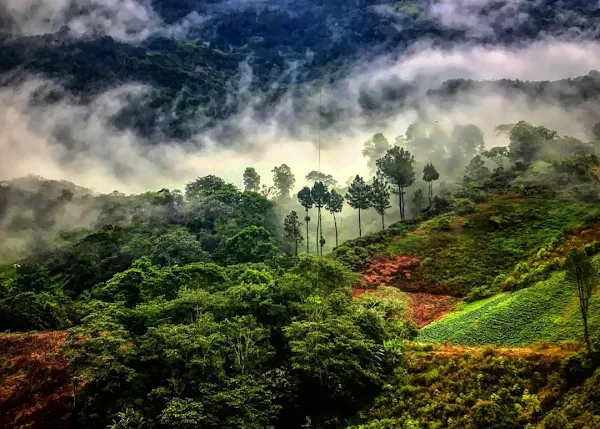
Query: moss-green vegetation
{"x": 470, "y": 251}
{"x": 547, "y": 311}
{"x": 467, "y": 389}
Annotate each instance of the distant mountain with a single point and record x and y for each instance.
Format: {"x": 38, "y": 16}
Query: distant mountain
{"x": 286, "y": 44}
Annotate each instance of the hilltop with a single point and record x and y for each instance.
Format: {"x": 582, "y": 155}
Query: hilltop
{"x": 207, "y": 61}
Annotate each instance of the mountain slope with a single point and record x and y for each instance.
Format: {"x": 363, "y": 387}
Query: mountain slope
{"x": 546, "y": 311}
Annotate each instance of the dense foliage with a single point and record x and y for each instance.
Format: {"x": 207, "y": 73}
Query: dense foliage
{"x": 252, "y": 346}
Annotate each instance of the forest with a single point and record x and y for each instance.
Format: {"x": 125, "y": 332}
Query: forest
{"x": 292, "y": 48}
{"x": 219, "y": 306}
{"x": 342, "y": 214}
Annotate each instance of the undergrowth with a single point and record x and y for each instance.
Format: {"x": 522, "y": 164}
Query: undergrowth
{"x": 471, "y": 389}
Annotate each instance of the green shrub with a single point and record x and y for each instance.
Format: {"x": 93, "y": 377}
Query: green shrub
{"x": 556, "y": 419}
{"x": 30, "y": 311}
{"x": 444, "y": 224}
{"x": 463, "y": 206}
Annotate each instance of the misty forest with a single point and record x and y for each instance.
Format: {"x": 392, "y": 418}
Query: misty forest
{"x": 353, "y": 214}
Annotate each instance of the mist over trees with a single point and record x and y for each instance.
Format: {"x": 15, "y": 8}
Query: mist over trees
{"x": 204, "y": 296}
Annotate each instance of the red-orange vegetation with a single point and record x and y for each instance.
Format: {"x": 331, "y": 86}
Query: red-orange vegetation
{"x": 35, "y": 384}
{"x": 403, "y": 272}
{"x": 390, "y": 270}
{"x": 427, "y": 308}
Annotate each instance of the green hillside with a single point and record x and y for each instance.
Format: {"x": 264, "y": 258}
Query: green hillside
{"x": 463, "y": 253}
{"x": 547, "y": 311}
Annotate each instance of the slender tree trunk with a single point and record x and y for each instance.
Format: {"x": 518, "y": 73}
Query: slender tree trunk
{"x": 318, "y": 226}
{"x": 320, "y": 235}
{"x": 586, "y": 334}
{"x": 359, "y": 227}
{"x": 335, "y": 225}
{"x": 429, "y": 192}
{"x": 382, "y": 222}
{"x": 296, "y": 247}
{"x": 584, "y": 307}
{"x": 307, "y": 241}
{"x": 401, "y": 202}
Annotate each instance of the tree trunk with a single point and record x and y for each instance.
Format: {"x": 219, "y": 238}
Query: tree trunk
{"x": 382, "y": 222}
{"x": 320, "y": 235}
{"x": 359, "y": 227}
{"x": 318, "y": 226}
{"x": 400, "y": 200}
{"x": 336, "y": 233}
{"x": 430, "y": 193}
{"x": 296, "y": 246}
{"x": 584, "y": 307}
{"x": 307, "y": 241}
{"x": 402, "y": 203}
{"x": 586, "y": 334}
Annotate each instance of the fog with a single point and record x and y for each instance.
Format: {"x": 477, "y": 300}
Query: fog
{"x": 75, "y": 141}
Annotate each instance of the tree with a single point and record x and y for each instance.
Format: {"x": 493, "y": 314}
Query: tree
{"x": 207, "y": 185}
{"x": 252, "y": 244}
{"x": 476, "y": 171}
{"x": 335, "y": 205}
{"x": 380, "y": 197}
{"x": 291, "y": 226}
{"x": 374, "y": 149}
{"x": 359, "y": 197}
{"x": 525, "y": 142}
{"x": 284, "y": 180}
{"x": 177, "y": 247}
{"x": 469, "y": 138}
{"x": 430, "y": 174}
{"x": 582, "y": 273}
{"x": 397, "y": 165}
{"x": 417, "y": 200}
{"x": 320, "y": 196}
{"x": 497, "y": 154}
{"x": 306, "y": 201}
{"x": 251, "y": 180}
{"x": 316, "y": 176}
{"x": 267, "y": 191}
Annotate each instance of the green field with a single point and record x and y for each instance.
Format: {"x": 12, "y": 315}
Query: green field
{"x": 547, "y": 311}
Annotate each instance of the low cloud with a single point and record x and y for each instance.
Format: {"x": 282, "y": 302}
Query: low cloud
{"x": 480, "y": 18}
{"x": 75, "y": 141}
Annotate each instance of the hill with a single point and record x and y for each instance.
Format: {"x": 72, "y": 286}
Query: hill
{"x": 546, "y": 311}
{"x": 207, "y": 61}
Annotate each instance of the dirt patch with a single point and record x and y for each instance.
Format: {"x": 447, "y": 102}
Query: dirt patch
{"x": 427, "y": 308}
{"x": 35, "y": 384}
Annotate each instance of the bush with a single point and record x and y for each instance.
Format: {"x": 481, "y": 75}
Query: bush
{"x": 463, "y": 206}
{"x": 30, "y": 311}
{"x": 556, "y": 419}
{"x": 444, "y": 224}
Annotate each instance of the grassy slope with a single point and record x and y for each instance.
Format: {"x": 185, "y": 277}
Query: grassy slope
{"x": 491, "y": 241}
{"x": 547, "y": 311}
